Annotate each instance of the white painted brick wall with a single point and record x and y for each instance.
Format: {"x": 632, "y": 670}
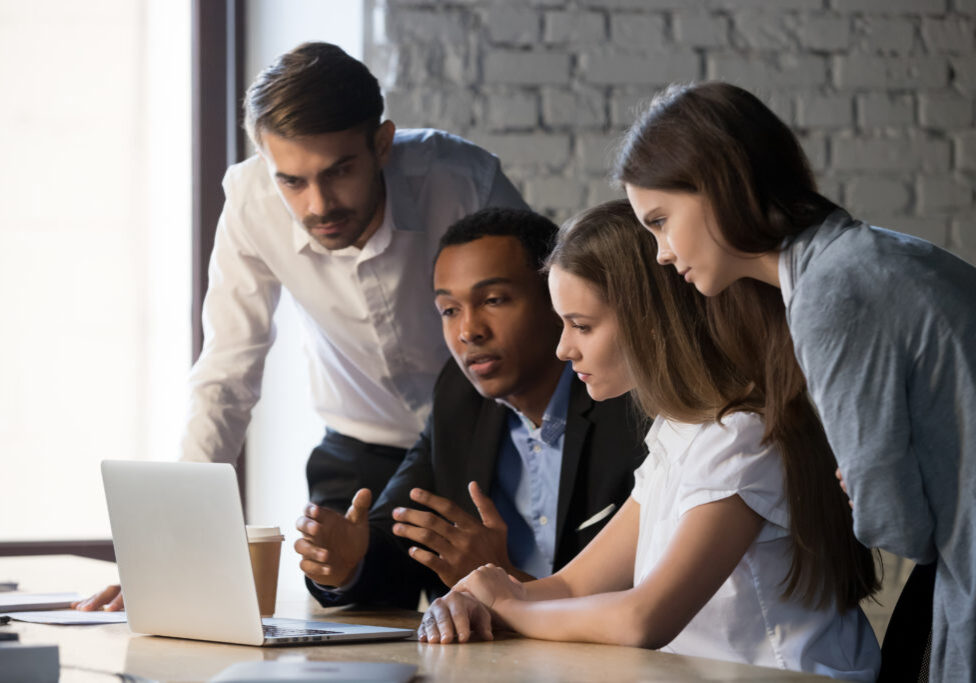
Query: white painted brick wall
{"x": 945, "y": 111}
{"x": 584, "y": 109}
{"x": 962, "y": 235}
{"x": 697, "y": 29}
{"x": 876, "y": 110}
{"x": 512, "y": 111}
{"x": 769, "y": 70}
{"x": 862, "y": 71}
{"x": 884, "y": 34}
{"x": 815, "y": 147}
{"x": 944, "y": 35}
{"x": 636, "y": 30}
{"x": 881, "y": 92}
{"x": 547, "y": 193}
{"x": 890, "y": 6}
{"x": 763, "y": 30}
{"x": 594, "y": 152}
{"x": 578, "y": 28}
{"x": 890, "y": 154}
{"x": 612, "y": 67}
{"x": 417, "y": 24}
{"x": 824, "y": 33}
{"x": 943, "y": 192}
{"x": 599, "y": 191}
{"x": 526, "y": 68}
{"x": 527, "y": 149}
{"x": 873, "y": 195}
{"x": 966, "y": 150}
{"x": 963, "y": 70}
{"x": 761, "y": 4}
{"x": 824, "y": 111}
{"x": 512, "y": 25}
{"x": 624, "y": 106}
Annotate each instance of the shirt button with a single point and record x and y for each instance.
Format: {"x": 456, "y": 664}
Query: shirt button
{"x": 536, "y": 448}
{"x": 543, "y": 520}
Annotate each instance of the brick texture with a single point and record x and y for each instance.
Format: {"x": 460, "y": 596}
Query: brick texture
{"x": 882, "y": 93}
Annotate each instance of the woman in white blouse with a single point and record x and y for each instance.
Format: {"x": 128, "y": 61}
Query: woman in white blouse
{"x": 729, "y": 547}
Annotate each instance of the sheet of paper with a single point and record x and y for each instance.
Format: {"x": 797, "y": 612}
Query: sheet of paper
{"x": 70, "y": 617}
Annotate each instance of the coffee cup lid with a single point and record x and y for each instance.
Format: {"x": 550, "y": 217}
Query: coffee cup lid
{"x": 264, "y": 533}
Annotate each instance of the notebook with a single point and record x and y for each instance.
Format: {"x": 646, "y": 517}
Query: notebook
{"x": 181, "y": 550}
{"x": 30, "y": 602}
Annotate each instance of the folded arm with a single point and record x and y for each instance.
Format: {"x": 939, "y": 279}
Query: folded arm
{"x": 710, "y": 541}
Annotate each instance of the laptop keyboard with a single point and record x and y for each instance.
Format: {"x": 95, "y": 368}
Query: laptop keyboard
{"x": 292, "y": 632}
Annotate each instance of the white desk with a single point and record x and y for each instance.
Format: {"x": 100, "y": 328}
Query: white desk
{"x": 99, "y": 653}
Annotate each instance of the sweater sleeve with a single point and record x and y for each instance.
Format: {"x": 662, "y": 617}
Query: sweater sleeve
{"x": 858, "y": 371}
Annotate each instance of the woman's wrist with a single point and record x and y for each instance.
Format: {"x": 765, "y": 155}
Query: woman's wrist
{"x": 504, "y": 610}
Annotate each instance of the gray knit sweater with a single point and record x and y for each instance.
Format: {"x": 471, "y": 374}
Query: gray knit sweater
{"x": 884, "y": 327}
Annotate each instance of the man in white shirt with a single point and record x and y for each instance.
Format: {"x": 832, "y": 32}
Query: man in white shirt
{"x": 345, "y": 213}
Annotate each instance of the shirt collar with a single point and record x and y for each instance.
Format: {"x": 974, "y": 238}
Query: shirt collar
{"x": 376, "y": 244}
{"x": 554, "y": 418}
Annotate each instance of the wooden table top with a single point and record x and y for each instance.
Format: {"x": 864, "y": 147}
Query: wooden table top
{"x": 100, "y": 653}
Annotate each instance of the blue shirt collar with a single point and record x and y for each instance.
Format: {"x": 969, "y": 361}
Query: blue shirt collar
{"x": 554, "y": 418}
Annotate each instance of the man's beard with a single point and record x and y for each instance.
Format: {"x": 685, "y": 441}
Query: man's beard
{"x": 315, "y": 221}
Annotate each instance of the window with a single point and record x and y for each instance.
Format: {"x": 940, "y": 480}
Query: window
{"x": 94, "y": 252}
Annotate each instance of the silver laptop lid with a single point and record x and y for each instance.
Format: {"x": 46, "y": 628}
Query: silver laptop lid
{"x": 181, "y": 550}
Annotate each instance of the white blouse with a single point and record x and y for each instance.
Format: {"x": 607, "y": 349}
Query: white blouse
{"x": 747, "y": 620}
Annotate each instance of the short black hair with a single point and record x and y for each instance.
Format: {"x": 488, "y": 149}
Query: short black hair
{"x": 314, "y": 88}
{"x": 536, "y": 233}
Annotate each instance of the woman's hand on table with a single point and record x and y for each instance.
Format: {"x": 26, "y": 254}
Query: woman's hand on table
{"x": 109, "y": 599}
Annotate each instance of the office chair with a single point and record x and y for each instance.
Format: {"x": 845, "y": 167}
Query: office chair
{"x": 908, "y": 638}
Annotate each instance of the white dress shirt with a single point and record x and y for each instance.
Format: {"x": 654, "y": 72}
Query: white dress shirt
{"x": 370, "y": 330}
{"x": 747, "y": 620}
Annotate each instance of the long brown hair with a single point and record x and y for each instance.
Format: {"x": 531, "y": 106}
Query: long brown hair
{"x": 678, "y": 349}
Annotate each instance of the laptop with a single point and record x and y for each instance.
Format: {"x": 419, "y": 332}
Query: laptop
{"x": 184, "y": 566}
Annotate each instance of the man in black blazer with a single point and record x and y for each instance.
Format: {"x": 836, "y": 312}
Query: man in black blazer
{"x": 512, "y": 435}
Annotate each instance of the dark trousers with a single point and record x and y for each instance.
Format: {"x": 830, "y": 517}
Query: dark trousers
{"x": 908, "y": 639}
{"x": 341, "y": 465}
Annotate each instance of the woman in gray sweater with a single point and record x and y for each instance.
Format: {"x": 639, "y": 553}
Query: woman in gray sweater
{"x": 883, "y": 325}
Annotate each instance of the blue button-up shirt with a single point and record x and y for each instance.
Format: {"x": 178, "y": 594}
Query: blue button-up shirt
{"x": 526, "y": 488}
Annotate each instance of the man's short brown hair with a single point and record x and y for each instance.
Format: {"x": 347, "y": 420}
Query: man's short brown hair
{"x": 315, "y": 88}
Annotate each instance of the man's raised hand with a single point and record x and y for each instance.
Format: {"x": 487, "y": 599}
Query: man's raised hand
{"x": 332, "y": 545}
{"x": 458, "y": 542}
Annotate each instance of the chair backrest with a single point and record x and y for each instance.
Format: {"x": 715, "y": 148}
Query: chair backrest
{"x": 908, "y": 638}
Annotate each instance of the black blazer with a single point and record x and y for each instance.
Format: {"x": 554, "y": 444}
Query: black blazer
{"x": 602, "y": 447}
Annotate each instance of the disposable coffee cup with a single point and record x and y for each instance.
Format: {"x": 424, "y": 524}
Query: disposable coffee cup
{"x": 264, "y": 543}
